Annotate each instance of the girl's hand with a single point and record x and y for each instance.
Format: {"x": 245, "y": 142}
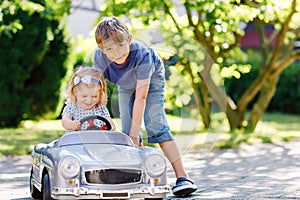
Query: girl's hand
{"x": 76, "y": 125}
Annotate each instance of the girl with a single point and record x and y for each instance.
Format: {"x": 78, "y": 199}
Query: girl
{"x": 87, "y": 96}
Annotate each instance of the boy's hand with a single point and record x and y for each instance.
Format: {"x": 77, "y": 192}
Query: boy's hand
{"x": 135, "y": 140}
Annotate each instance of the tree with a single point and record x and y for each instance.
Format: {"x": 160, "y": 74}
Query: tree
{"x": 33, "y": 54}
{"x": 285, "y": 17}
{"x": 207, "y": 36}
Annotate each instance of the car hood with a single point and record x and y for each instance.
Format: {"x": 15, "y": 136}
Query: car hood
{"x": 106, "y": 154}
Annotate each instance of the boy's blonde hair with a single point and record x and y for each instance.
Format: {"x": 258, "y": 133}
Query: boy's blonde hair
{"x": 111, "y": 28}
{"x": 98, "y": 82}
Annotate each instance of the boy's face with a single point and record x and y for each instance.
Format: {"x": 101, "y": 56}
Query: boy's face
{"x": 115, "y": 51}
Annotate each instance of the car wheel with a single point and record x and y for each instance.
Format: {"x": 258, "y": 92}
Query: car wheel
{"x": 153, "y": 198}
{"x": 46, "y": 188}
{"x": 34, "y": 192}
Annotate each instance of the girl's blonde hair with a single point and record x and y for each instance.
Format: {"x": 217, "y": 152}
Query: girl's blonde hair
{"x": 88, "y": 73}
{"x": 111, "y": 28}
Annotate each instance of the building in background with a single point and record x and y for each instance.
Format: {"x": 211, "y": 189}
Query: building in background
{"x": 83, "y": 17}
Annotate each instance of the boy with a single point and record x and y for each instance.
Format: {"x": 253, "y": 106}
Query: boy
{"x": 139, "y": 74}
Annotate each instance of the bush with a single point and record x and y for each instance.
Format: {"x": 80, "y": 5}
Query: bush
{"x": 287, "y": 91}
{"x": 32, "y": 58}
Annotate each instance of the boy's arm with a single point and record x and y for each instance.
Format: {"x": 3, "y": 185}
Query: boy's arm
{"x": 113, "y": 127}
{"x": 142, "y": 87}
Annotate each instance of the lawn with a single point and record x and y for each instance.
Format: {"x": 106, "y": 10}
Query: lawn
{"x": 273, "y": 127}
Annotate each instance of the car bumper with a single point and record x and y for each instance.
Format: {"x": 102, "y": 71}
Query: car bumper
{"x": 93, "y": 193}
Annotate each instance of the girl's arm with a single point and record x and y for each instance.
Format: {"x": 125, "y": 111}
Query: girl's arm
{"x": 70, "y": 124}
{"x": 139, "y": 104}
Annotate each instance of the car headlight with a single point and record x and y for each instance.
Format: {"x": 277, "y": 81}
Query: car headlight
{"x": 69, "y": 167}
{"x": 155, "y": 165}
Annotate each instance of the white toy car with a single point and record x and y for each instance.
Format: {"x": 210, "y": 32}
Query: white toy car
{"x": 97, "y": 164}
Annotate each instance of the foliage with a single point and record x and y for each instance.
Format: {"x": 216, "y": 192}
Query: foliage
{"x": 179, "y": 96}
{"x": 207, "y": 34}
{"x": 285, "y": 99}
{"x": 288, "y": 91}
{"x": 34, "y": 50}
{"x": 235, "y": 86}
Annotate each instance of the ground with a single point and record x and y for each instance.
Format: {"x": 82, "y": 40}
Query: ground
{"x": 260, "y": 171}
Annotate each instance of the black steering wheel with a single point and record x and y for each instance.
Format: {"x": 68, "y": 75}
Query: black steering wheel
{"x": 92, "y": 126}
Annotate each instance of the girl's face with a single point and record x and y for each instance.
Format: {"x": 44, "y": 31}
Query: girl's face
{"x": 117, "y": 52}
{"x": 87, "y": 97}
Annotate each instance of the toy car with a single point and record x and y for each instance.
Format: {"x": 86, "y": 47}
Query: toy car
{"x": 97, "y": 164}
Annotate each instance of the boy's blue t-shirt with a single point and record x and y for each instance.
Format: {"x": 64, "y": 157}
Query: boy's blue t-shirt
{"x": 142, "y": 63}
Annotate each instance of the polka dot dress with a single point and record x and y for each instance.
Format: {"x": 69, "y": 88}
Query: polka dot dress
{"x": 78, "y": 113}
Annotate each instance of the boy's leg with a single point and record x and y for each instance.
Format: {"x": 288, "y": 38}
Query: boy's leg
{"x": 171, "y": 151}
{"x": 184, "y": 186}
{"x": 158, "y": 131}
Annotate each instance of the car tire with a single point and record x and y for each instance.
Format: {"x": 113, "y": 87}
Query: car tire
{"x": 34, "y": 192}
{"x": 153, "y": 199}
{"x": 46, "y": 188}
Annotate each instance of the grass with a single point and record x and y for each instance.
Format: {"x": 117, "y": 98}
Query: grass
{"x": 273, "y": 127}
{"x": 20, "y": 141}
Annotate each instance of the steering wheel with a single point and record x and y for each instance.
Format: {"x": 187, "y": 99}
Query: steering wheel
{"x": 92, "y": 126}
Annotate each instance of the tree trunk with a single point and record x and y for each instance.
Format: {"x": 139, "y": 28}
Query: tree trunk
{"x": 202, "y": 98}
{"x": 235, "y": 118}
{"x": 265, "y": 96}
{"x": 205, "y": 104}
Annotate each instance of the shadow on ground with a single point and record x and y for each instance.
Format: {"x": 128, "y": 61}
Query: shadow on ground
{"x": 262, "y": 171}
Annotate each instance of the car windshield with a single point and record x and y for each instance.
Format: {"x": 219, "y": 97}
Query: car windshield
{"x": 94, "y": 137}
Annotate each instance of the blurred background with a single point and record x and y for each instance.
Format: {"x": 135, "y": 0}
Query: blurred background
{"x": 231, "y": 66}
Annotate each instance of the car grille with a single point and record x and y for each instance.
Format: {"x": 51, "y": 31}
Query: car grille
{"x": 113, "y": 176}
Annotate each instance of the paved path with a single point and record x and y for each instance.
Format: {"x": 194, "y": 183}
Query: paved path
{"x": 262, "y": 171}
